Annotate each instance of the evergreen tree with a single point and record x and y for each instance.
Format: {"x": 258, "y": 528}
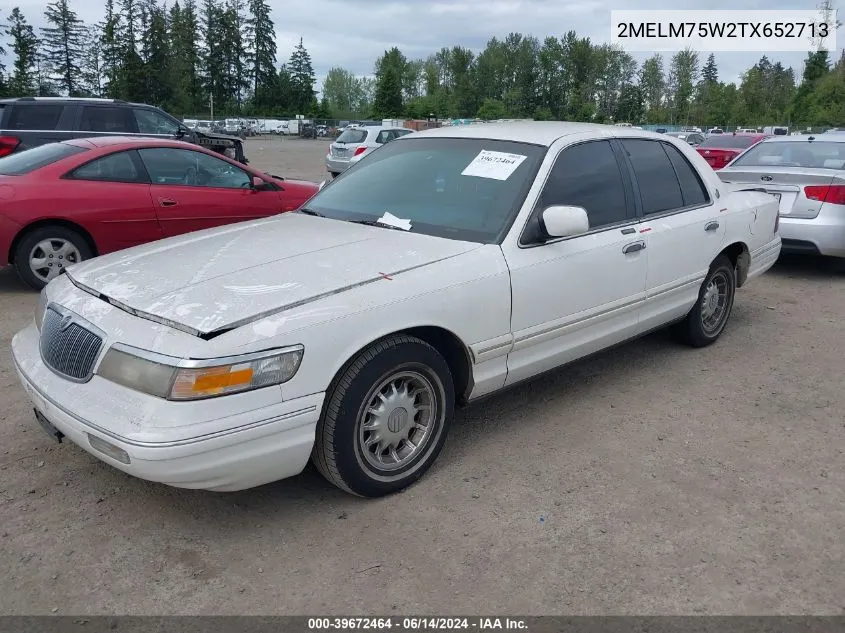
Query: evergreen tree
{"x": 92, "y": 64}
{"x": 710, "y": 74}
{"x": 132, "y": 80}
{"x": 389, "y": 72}
{"x": 232, "y": 27}
{"x": 214, "y": 66}
{"x": 111, "y": 50}
{"x": 301, "y": 79}
{"x": 184, "y": 33}
{"x": 260, "y": 39}
{"x": 64, "y": 44}
{"x": 24, "y": 81}
{"x": 156, "y": 55}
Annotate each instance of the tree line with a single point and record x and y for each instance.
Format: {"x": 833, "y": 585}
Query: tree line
{"x": 183, "y": 58}
{"x": 191, "y": 53}
{"x": 572, "y": 78}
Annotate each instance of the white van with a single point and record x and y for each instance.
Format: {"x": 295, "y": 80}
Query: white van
{"x": 776, "y": 130}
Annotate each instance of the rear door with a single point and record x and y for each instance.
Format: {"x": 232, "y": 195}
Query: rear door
{"x": 682, "y": 224}
{"x": 113, "y": 194}
{"x": 192, "y": 191}
{"x": 106, "y": 120}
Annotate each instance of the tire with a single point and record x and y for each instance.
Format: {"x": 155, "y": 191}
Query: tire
{"x": 68, "y": 247}
{"x": 702, "y": 327}
{"x": 357, "y": 458}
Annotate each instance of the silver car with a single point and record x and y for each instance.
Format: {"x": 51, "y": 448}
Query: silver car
{"x": 692, "y": 138}
{"x": 355, "y": 143}
{"x": 807, "y": 174}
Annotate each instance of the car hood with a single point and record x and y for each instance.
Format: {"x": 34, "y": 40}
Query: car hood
{"x": 213, "y": 281}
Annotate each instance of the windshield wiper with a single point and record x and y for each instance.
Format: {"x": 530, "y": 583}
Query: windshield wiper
{"x": 378, "y": 223}
{"x": 308, "y": 211}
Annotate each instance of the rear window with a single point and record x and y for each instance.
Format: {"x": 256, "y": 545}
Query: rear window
{"x": 729, "y": 141}
{"x": 352, "y": 136}
{"x": 35, "y": 117}
{"x": 814, "y": 154}
{"x": 36, "y": 158}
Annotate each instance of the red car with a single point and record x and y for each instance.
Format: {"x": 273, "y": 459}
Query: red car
{"x": 720, "y": 149}
{"x": 65, "y": 202}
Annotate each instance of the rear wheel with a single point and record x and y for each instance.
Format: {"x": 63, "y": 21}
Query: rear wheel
{"x": 44, "y": 253}
{"x": 386, "y": 419}
{"x": 708, "y": 318}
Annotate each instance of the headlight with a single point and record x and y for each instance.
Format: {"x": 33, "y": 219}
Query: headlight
{"x": 176, "y": 379}
{"x": 41, "y": 308}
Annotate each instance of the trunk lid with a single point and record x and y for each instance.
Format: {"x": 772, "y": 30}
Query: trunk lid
{"x": 212, "y": 281}
{"x": 787, "y": 183}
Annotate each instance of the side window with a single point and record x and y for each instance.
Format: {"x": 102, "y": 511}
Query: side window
{"x": 106, "y": 119}
{"x": 659, "y": 188}
{"x": 118, "y": 167}
{"x": 587, "y": 175}
{"x": 383, "y": 137}
{"x": 692, "y": 188}
{"x": 195, "y": 169}
{"x": 35, "y": 117}
{"x": 152, "y": 122}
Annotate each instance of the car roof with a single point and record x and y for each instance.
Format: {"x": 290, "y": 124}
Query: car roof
{"x": 534, "y": 132}
{"x": 805, "y": 138}
{"x": 111, "y": 141}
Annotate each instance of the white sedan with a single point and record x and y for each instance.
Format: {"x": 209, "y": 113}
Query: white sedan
{"x": 448, "y": 265}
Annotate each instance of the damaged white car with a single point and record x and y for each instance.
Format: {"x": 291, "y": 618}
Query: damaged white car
{"x": 446, "y": 266}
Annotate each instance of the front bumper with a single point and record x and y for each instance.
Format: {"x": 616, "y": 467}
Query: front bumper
{"x": 822, "y": 235}
{"x": 247, "y": 447}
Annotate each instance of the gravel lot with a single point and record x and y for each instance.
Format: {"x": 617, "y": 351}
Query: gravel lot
{"x": 653, "y": 479}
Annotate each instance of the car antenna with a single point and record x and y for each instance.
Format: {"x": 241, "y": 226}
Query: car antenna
{"x": 811, "y": 139}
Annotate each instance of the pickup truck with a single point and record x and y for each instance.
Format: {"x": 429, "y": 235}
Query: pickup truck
{"x": 27, "y": 122}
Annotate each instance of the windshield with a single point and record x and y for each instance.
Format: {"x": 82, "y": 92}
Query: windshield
{"x": 818, "y": 154}
{"x": 462, "y": 189}
{"x": 36, "y": 158}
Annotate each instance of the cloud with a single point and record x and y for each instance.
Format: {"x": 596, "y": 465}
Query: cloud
{"x": 354, "y": 33}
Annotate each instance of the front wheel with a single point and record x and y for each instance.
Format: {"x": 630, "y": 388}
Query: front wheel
{"x": 386, "y": 419}
{"x": 45, "y": 253}
{"x": 708, "y": 318}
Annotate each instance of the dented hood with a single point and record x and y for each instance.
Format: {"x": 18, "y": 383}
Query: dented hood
{"x": 219, "y": 279}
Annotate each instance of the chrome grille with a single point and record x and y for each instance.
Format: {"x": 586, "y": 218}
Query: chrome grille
{"x": 67, "y": 347}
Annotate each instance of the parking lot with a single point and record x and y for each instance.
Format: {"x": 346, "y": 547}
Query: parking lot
{"x": 653, "y": 479}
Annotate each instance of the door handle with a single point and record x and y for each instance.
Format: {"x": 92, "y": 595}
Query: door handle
{"x": 628, "y": 231}
{"x": 711, "y": 226}
{"x": 167, "y": 202}
{"x": 633, "y": 247}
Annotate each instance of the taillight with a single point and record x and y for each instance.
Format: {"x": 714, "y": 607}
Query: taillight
{"x": 8, "y": 144}
{"x": 359, "y": 151}
{"x": 831, "y": 194}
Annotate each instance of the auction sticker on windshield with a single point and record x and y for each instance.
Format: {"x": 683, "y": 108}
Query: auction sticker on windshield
{"x": 495, "y": 165}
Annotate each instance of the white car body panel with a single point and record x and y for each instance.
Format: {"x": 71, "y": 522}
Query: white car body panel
{"x": 335, "y": 287}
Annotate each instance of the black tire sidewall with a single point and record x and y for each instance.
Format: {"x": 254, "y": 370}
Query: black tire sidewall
{"x": 27, "y": 243}
{"x": 350, "y": 465}
{"x": 698, "y": 333}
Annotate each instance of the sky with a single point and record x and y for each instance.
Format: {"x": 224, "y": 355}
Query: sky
{"x": 354, "y": 33}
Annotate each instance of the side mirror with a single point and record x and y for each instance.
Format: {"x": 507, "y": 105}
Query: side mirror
{"x": 260, "y": 185}
{"x": 565, "y": 221}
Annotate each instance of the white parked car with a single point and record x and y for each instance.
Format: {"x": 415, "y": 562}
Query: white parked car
{"x": 355, "y": 143}
{"x": 446, "y": 266}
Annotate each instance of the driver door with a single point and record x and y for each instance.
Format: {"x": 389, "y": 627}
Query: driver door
{"x": 192, "y": 191}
